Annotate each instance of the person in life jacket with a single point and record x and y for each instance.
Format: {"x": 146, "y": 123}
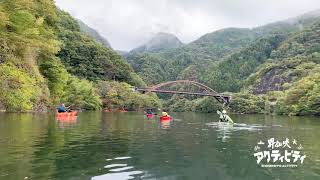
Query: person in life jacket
{"x": 62, "y": 108}
{"x": 165, "y": 116}
{"x": 224, "y": 117}
{"x": 149, "y": 111}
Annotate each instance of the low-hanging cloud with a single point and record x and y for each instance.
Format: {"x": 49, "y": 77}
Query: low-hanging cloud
{"x": 129, "y": 23}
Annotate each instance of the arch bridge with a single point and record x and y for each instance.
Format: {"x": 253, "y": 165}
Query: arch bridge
{"x": 201, "y": 90}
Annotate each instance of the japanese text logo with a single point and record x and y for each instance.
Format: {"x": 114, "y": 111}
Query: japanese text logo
{"x": 279, "y": 153}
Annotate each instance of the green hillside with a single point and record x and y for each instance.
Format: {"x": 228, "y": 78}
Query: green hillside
{"x": 210, "y": 48}
{"x": 46, "y": 60}
{"x": 94, "y": 34}
{"x": 247, "y": 62}
{"x": 293, "y": 68}
{"x": 160, "y": 42}
{"x": 86, "y": 58}
{"x": 230, "y": 73}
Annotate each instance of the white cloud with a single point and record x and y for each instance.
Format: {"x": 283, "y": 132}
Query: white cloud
{"x": 129, "y": 23}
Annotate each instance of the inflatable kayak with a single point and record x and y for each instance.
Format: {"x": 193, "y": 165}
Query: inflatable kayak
{"x": 165, "y": 118}
{"x": 74, "y": 113}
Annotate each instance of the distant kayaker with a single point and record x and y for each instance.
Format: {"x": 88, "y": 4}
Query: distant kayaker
{"x": 149, "y": 111}
{"x": 224, "y": 117}
{"x": 62, "y": 108}
{"x": 165, "y": 116}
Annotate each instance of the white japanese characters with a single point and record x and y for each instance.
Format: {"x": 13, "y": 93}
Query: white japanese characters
{"x": 279, "y": 153}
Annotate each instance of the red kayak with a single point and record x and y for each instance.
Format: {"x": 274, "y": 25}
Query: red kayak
{"x": 165, "y": 118}
{"x": 149, "y": 115}
{"x": 73, "y": 113}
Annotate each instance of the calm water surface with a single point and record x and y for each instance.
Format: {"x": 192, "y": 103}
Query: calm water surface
{"x": 129, "y": 146}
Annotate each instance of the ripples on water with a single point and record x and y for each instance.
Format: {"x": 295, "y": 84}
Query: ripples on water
{"x": 118, "y": 176}
{"x": 118, "y": 171}
{"x": 225, "y": 129}
{"x": 120, "y": 146}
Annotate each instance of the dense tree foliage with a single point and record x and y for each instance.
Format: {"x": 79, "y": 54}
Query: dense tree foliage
{"x": 171, "y": 62}
{"x": 303, "y": 97}
{"x": 56, "y": 76}
{"x": 184, "y": 103}
{"x": 292, "y": 68}
{"x": 46, "y": 59}
{"x": 86, "y": 58}
{"x": 247, "y": 103}
{"x": 81, "y": 94}
{"x": 40, "y": 47}
{"x": 94, "y": 34}
{"x": 246, "y": 62}
{"x": 19, "y": 90}
{"x": 152, "y": 67}
{"x": 210, "y": 48}
{"x": 117, "y": 95}
{"x": 26, "y": 34}
{"x": 230, "y": 73}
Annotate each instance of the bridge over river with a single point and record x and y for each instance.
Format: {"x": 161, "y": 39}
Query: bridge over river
{"x": 201, "y": 90}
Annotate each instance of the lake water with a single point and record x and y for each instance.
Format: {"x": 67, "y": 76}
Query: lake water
{"x": 120, "y": 146}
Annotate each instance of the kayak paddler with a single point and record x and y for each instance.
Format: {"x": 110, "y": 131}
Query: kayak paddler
{"x": 165, "y": 116}
{"x": 224, "y": 117}
{"x": 62, "y": 108}
{"x": 149, "y": 111}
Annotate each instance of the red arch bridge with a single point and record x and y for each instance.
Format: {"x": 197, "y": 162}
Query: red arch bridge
{"x": 195, "y": 88}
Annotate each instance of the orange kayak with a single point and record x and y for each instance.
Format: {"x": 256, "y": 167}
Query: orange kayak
{"x": 70, "y": 119}
{"x": 74, "y": 113}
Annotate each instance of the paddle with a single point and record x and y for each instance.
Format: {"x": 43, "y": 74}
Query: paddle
{"x": 68, "y": 108}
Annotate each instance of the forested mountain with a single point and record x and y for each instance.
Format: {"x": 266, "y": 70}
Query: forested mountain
{"x": 171, "y": 63}
{"x": 212, "y": 47}
{"x": 86, "y": 58}
{"x": 283, "y": 69}
{"x": 93, "y": 33}
{"x": 46, "y": 60}
{"x": 161, "y": 41}
{"x": 273, "y": 58}
{"x": 122, "y": 53}
{"x": 230, "y": 73}
{"x": 293, "y": 69}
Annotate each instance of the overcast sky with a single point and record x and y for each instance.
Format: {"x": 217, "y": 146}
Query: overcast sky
{"x": 127, "y": 24}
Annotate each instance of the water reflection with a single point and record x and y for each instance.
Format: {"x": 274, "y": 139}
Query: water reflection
{"x": 66, "y": 121}
{"x": 225, "y": 130}
{"x": 118, "y": 176}
{"x": 166, "y": 124}
{"x": 126, "y": 145}
{"x": 119, "y": 170}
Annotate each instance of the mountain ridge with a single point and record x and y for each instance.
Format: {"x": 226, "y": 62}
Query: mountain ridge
{"x": 256, "y": 65}
{"x": 159, "y": 42}
{"x": 93, "y": 33}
